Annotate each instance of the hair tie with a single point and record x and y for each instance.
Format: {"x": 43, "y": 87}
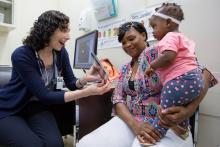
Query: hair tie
{"x": 161, "y": 15}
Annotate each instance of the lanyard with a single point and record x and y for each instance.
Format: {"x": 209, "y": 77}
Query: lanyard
{"x": 42, "y": 67}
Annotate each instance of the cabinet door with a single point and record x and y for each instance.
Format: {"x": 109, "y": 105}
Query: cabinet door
{"x": 6, "y": 15}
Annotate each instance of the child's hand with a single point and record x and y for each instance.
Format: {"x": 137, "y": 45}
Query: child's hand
{"x": 149, "y": 71}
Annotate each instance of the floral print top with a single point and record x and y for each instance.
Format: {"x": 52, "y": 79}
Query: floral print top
{"x": 144, "y": 99}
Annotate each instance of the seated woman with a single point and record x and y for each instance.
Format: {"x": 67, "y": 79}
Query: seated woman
{"x": 136, "y": 99}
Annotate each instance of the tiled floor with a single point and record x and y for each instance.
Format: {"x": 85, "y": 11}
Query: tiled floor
{"x": 68, "y": 141}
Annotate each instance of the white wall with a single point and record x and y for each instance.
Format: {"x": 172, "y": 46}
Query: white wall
{"x": 125, "y": 7}
{"x": 72, "y": 8}
{"x": 26, "y": 11}
{"x": 201, "y": 24}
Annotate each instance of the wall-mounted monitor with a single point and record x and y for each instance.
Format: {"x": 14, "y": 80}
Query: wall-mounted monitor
{"x": 84, "y": 45}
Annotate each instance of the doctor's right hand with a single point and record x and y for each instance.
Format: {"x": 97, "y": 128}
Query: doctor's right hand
{"x": 99, "y": 88}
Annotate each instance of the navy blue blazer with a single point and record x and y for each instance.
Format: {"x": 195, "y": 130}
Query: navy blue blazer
{"x": 26, "y": 81}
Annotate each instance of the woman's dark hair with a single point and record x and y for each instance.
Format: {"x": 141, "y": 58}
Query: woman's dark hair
{"x": 171, "y": 9}
{"x": 127, "y": 26}
{"x": 44, "y": 27}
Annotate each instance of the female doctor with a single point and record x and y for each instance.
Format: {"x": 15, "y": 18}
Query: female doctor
{"x": 39, "y": 68}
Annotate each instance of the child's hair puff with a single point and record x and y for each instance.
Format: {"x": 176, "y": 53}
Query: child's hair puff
{"x": 171, "y": 9}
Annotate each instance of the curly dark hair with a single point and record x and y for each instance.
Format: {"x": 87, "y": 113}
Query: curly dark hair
{"x": 171, "y": 9}
{"x": 44, "y": 27}
{"x": 127, "y": 26}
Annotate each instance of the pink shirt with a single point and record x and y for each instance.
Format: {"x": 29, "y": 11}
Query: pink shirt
{"x": 185, "y": 58}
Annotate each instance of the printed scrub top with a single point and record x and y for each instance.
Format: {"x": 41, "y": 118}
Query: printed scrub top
{"x": 144, "y": 99}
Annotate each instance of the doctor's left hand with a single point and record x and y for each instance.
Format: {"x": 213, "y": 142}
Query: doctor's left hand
{"x": 93, "y": 75}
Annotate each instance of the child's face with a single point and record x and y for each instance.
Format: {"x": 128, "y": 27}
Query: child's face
{"x": 160, "y": 27}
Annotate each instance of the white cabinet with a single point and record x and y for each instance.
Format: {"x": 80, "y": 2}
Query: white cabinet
{"x": 6, "y": 15}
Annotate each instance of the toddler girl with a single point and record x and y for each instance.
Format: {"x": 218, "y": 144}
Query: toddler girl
{"x": 176, "y": 63}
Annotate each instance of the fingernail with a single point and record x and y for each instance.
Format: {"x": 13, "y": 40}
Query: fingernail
{"x": 164, "y": 111}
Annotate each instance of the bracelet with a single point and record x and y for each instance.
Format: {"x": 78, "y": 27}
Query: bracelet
{"x": 80, "y": 83}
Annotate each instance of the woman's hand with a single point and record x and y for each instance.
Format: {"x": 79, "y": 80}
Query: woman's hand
{"x": 98, "y": 88}
{"x": 146, "y": 133}
{"x": 180, "y": 131}
{"x": 172, "y": 116}
{"x": 93, "y": 74}
{"x": 92, "y": 78}
{"x": 93, "y": 89}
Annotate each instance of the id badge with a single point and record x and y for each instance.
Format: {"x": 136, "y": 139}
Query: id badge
{"x": 59, "y": 84}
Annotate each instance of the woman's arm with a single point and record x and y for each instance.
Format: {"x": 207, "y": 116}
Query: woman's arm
{"x": 122, "y": 111}
{"x": 71, "y": 81}
{"x": 139, "y": 128}
{"x": 91, "y": 76}
{"x": 94, "y": 89}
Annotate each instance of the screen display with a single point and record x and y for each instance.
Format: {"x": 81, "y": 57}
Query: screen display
{"x": 98, "y": 66}
{"x": 84, "y": 45}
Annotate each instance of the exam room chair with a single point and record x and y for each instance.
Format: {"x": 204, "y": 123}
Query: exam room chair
{"x": 194, "y": 124}
{"x": 63, "y": 112}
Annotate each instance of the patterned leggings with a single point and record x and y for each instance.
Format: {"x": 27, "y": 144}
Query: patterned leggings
{"x": 180, "y": 91}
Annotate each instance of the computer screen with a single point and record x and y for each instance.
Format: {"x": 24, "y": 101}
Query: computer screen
{"x": 84, "y": 45}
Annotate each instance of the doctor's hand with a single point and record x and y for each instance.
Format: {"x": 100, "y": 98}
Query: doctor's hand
{"x": 98, "y": 88}
{"x": 94, "y": 74}
{"x": 91, "y": 76}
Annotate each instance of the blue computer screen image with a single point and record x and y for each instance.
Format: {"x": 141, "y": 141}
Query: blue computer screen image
{"x": 84, "y": 45}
